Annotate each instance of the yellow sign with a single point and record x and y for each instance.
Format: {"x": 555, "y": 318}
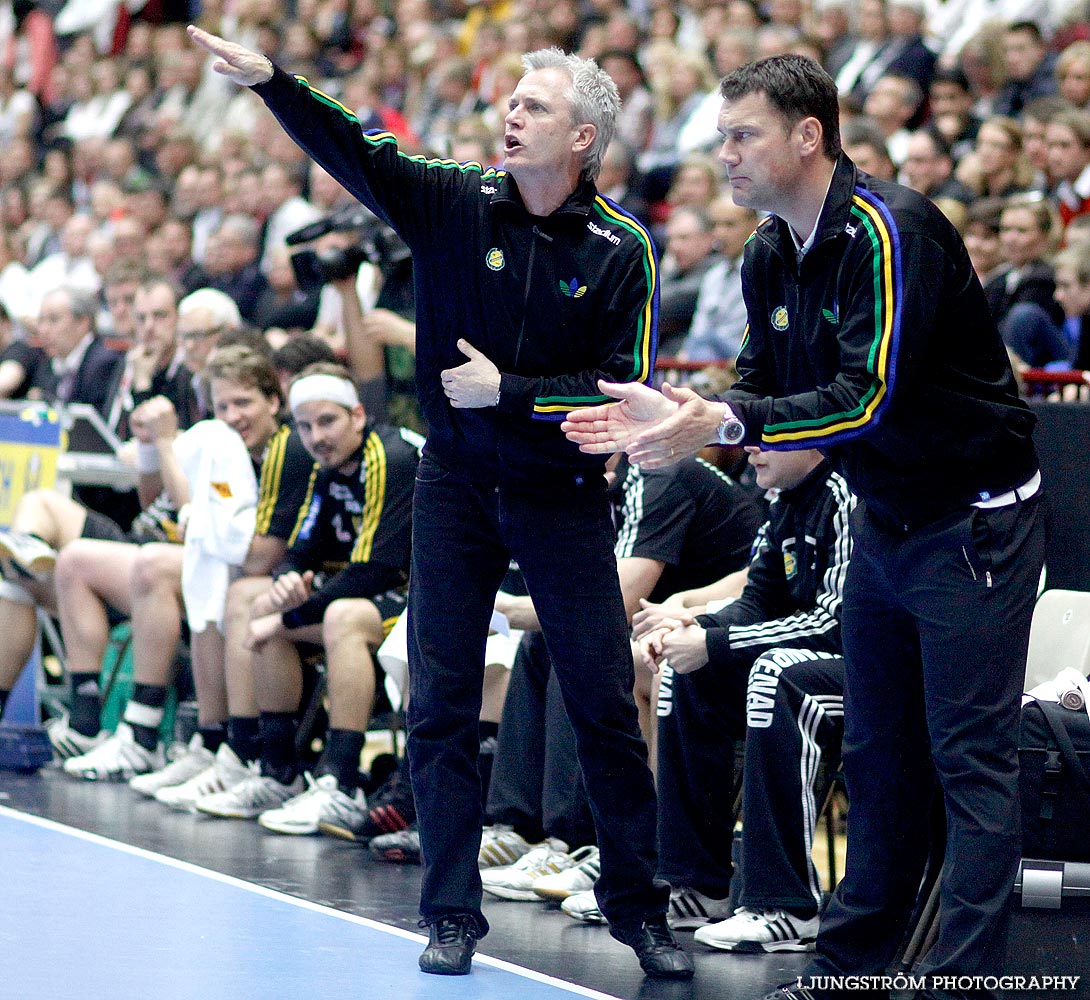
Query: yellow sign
{"x": 30, "y": 442}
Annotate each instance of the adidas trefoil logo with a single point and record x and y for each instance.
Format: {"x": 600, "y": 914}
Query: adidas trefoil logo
{"x": 830, "y": 317}
{"x": 572, "y": 289}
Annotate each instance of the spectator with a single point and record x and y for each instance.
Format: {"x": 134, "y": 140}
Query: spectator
{"x": 928, "y": 168}
{"x": 719, "y": 320}
{"x": 637, "y": 105}
{"x": 285, "y": 208}
{"x": 998, "y": 166}
{"x": 231, "y": 262}
{"x": 154, "y": 364}
{"x": 1068, "y": 138}
{"x": 893, "y": 103}
{"x": 866, "y": 146}
{"x": 1035, "y": 118}
{"x": 119, "y": 292}
{"x": 982, "y": 238}
{"x": 1030, "y": 68}
{"x": 1073, "y": 74}
{"x": 688, "y": 257}
{"x": 950, "y": 101}
{"x": 70, "y": 265}
{"x": 204, "y": 317}
{"x": 18, "y": 111}
{"x": 1072, "y": 270}
{"x": 619, "y": 180}
{"x": 680, "y": 89}
{"x": 80, "y": 368}
{"x": 1021, "y": 297}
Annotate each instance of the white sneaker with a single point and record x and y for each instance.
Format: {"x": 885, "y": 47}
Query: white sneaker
{"x": 690, "y": 909}
{"x": 250, "y": 797}
{"x": 322, "y": 802}
{"x": 583, "y": 906}
{"x": 517, "y": 881}
{"x": 752, "y": 933}
{"x": 28, "y": 553}
{"x": 67, "y": 742}
{"x": 225, "y": 771}
{"x": 500, "y": 845}
{"x": 579, "y": 878}
{"x": 117, "y": 758}
{"x": 194, "y": 759}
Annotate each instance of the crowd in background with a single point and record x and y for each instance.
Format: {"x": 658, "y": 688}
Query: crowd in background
{"x": 121, "y": 144}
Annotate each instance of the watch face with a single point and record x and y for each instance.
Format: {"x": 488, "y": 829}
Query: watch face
{"x": 733, "y": 430}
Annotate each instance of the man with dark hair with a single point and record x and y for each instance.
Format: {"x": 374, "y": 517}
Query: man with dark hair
{"x": 844, "y": 355}
{"x": 929, "y": 168}
{"x": 558, "y": 287}
{"x": 951, "y": 99}
{"x": 1030, "y": 69}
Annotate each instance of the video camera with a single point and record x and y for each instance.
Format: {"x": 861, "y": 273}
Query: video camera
{"x": 377, "y": 244}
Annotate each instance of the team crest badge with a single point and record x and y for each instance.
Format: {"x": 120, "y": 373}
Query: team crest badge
{"x": 779, "y": 318}
{"x": 790, "y": 565}
{"x": 494, "y": 259}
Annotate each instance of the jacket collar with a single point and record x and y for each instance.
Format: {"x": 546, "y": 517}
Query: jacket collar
{"x": 834, "y": 213}
{"x": 579, "y": 202}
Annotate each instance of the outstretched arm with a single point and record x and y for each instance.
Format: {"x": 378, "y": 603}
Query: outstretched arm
{"x": 236, "y": 62}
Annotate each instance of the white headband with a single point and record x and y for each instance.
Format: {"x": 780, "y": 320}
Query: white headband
{"x": 330, "y": 388}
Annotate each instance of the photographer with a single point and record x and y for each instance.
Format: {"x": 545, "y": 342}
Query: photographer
{"x": 363, "y": 273}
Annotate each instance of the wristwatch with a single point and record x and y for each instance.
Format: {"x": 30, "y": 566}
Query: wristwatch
{"x": 731, "y": 430}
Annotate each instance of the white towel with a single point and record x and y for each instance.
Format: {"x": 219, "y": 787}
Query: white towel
{"x": 393, "y": 656}
{"x": 222, "y": 517}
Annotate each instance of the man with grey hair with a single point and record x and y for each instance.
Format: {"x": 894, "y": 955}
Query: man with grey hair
{"x": 204, "y": 315}
{"x": 231, "y": 261}
{"x": 81, "y": 368}
{"x": 529, "y": 286}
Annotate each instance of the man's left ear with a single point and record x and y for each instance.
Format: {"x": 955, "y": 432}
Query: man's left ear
{"x": 812, "y": 136}
{"x": 584, "y": 137}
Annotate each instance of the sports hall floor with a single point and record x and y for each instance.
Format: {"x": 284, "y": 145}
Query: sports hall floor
{"x": 107, "y": 896}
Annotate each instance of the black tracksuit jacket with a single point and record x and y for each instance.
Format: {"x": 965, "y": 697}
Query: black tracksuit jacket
{"x": 555, "y": 302}
{"x": 880, "y": 351}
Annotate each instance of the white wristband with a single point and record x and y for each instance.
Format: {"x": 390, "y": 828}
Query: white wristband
{"x": 147, "y": 458}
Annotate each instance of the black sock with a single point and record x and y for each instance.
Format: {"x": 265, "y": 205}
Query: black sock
{"x": 144, "y": 713}
{"x": 244, "y": 737}
{"x": 487, "y": 730}
{"x": 341, "y": 758}
{"x": 278, "y": 746}
{"x": 3, "y": 701}
{"x": 86, "y": 707}
{"x": 801, "y": 912}
{"x": 212, "y": 736}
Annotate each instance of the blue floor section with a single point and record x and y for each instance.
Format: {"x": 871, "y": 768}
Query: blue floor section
{"x": 90, "y": 918}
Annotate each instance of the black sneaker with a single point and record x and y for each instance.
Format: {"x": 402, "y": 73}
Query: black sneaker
{"x": 661, "y": 957}
{"x": 389, "y": 810}
{"x": 451, "y": 943}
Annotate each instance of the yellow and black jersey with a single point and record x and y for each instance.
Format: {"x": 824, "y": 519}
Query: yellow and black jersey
{"x": 283, "y": 475}
{"x": 357, "y": 527}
